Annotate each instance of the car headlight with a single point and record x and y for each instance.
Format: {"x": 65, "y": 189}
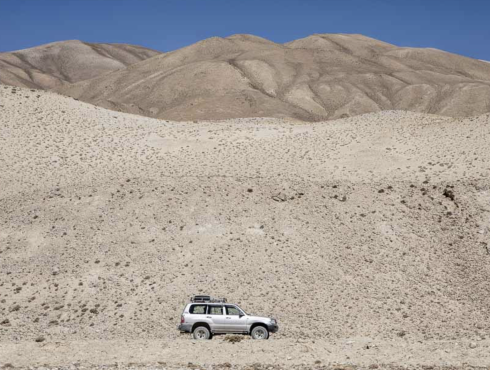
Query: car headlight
{"x": 273, "y": 321}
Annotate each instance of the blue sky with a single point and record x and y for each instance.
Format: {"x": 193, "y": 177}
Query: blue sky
{"x": 459, "y": 26}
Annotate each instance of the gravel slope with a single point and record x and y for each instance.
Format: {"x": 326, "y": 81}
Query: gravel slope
{"x": 372, "y": 227}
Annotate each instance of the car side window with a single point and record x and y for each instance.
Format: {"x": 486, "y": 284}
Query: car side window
{"x": 215, "y": 310}
{"x": 198, "y": 309}
{"x": 230, "y": 310}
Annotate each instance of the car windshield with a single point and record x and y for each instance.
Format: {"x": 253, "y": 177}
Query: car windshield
{"x": 242, "y": 310}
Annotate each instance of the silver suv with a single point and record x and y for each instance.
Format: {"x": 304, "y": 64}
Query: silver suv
{"x": 205, "y": 316}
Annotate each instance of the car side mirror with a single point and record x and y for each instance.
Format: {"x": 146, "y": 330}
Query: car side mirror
{"x": 240, "y": 315}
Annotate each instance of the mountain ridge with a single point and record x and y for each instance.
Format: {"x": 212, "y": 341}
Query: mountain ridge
{"x": 316, "y": 78}
{"x": 62, "y": 62}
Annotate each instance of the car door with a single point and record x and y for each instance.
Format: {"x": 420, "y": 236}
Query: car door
{"x": 197, "y": 313}
{"x": 216, "y": 315}
{"x": 236, "y": 321}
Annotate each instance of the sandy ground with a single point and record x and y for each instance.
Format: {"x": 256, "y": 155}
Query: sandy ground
{"x": 370, "y": 231}
{"x": 357, "y": 352}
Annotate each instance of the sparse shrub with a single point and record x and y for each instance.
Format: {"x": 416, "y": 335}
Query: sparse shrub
{"x": 233, "y": 338}
{"x": 448, "y": 193}
{"x": 401, "y": 333}
{"x": 5, "y": 322}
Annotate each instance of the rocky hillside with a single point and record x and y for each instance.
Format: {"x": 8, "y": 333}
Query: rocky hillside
{"x": 320, "y": 77}
{"x": 59, "y": 63}
{"x": 374, "y": 226}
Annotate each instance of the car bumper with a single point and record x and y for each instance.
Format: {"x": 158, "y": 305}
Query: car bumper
{"x": 185, "y": 328}
{"x": 273, "y": 328}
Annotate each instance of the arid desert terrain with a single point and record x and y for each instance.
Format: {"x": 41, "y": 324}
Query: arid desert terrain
{"x": 366, "y": 237}
{"x": 317, "y": 78}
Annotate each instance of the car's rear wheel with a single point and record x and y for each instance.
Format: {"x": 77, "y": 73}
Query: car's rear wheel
{"x": 260, "y": 332}
{"x": 201, "y": 333}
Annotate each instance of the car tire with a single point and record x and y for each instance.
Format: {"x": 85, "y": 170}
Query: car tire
{"x": 201, "y": 333}
{"x": 260, "y": 332}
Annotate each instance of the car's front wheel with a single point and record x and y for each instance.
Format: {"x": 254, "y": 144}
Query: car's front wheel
{"x": 260, "y": 332}
{"x": 201, "y": 333}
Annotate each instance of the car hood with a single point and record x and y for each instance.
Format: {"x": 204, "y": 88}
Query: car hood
{"x": 259, "y": 318}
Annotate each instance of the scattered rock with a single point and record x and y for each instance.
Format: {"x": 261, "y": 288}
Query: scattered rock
{"x": 279, "y": 197}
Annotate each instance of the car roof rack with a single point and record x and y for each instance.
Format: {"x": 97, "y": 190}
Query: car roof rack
{"x": 207, "y": 298}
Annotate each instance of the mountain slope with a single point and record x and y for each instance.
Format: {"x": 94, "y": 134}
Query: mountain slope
{"x": 374, "y": 226}
{"x": 316, "y": 78}
{"x": 55, "y": 64}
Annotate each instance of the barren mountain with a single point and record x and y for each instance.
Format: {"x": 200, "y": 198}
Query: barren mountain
{"x": 320, "y": 77}
{"x": 367, "y": 237}
{"x": 53, "y": 65}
